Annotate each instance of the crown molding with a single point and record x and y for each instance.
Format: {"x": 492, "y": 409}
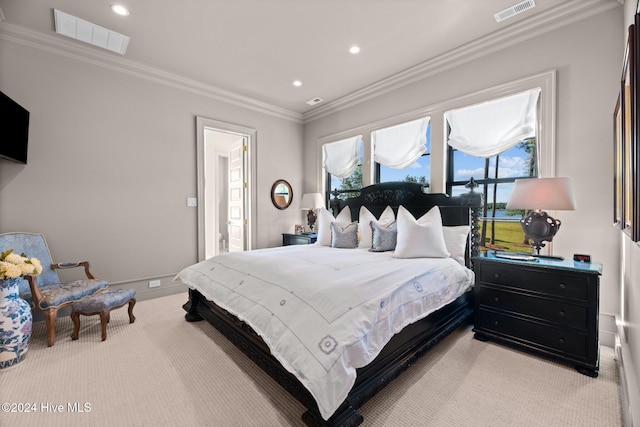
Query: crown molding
{"x": 58, "y": 46}
{"x": 551, "y": 19}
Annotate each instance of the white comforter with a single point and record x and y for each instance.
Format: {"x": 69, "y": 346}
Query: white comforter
{"x": 323, "y": 311}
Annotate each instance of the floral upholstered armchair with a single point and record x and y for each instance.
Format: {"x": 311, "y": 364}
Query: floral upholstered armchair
{"x": 46, "y": 292}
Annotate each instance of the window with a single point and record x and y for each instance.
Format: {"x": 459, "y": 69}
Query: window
{"x": 515, "y": 158}
{"x": 343, "y": 178}
{"x": 419, "y": 171}
{"x": 446, "y": 169}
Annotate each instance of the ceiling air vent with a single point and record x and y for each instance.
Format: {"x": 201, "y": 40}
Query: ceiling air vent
{"x": 514, "y": 10}
{"x": 79, "y": 29}
{"x": 315, "y": 101}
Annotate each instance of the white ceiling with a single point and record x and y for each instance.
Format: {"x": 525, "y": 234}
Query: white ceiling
{"x": 256, "y": 48}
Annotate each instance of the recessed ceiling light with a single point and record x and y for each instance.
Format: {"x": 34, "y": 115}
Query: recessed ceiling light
{"x": 354, "y": 49}
{"x": 297, "y": 83}
{"x": 120, "y": 10}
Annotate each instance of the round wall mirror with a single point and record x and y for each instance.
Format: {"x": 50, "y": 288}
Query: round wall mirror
{"x": 281, "y": 194}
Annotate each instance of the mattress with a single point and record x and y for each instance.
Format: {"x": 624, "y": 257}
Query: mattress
{"x": 324, "y": 312}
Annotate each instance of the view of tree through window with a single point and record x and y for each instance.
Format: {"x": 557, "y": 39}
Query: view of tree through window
{"x": 343, "y": 185}
{"x": 352, "y": 182}
{"x": 418, "y": 172}
{"x": 500, "y": 227}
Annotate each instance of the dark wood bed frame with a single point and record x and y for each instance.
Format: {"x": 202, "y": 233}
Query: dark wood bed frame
{"x": 405, "y": 347}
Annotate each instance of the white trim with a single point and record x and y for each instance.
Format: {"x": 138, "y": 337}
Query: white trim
{"x": 58, "y": 46}
{"x": 607, "y": 329}
{"x": 629, "y": 387}
{"x": 547, "y": 132}
{"x": 551, "y": 19}
{"x": 201, "y": 124}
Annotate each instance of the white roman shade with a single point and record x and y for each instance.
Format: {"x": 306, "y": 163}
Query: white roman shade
{"x": 341, "y": 157}
{"x": 489, "y": 128}
{"x": 399, "y": 146}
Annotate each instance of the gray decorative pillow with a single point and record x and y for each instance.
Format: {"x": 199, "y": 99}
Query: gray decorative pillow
{"x": 385, "y": 236}
{"x": 344, "y": 237}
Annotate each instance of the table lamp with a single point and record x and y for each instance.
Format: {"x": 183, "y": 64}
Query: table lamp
{"x": 536, "y": 194}
{"x": 311, "y": 201}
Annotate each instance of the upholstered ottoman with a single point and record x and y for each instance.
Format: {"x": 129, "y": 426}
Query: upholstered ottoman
{"x": 102, "y": 304}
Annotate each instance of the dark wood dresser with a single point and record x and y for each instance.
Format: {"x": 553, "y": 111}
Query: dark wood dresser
{"x": 549, "y": 307}
{"x": 299, "y": 239}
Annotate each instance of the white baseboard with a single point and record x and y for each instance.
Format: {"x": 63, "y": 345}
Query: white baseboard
{"x": 607, "y": 329}
{"x": 143, "y": 292}
{"x": 629, "y": 391}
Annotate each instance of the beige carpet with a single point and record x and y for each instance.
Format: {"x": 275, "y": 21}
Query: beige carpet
{"x": 163, "y": 371}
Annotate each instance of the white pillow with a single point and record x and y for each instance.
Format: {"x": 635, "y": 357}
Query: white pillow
{"x": 325, "y": 218}
{"x": 365, "y": 235}
{"x": 421, "y": 238}
{"x": 455, "y": 238}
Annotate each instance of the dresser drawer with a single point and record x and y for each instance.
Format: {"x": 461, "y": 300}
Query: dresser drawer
{"x": 536, "y": 280}
{"x": 559, "y": 312}
{"x": 535, "y": 334}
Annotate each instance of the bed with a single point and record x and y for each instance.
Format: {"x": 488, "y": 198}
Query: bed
{"x": 361, "y": 315}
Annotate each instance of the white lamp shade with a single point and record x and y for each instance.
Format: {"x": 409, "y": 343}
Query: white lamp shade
{"x": 312, "y": 201}
{"x": 542, "y": 194}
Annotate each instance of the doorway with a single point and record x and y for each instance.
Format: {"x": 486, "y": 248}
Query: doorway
{"x": 225, "y": 169}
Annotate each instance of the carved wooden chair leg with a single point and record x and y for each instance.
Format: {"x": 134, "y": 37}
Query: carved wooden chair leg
{"x": 132, "y": 318}
{"x": 50, "y": 321}
{"x": 76, "y": 325}
{"x": 104, "y": 319}
{"x": 102, "y": 304}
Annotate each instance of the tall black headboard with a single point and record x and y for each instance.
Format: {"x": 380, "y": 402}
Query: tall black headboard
{"x": 458, "y": 210}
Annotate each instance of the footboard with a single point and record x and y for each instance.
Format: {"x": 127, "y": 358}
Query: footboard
{"x": 405, "y": 347}
{"x": 395, "y": 358}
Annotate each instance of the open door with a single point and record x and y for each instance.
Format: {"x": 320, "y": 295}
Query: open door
{"x": 226, "y": 170}
{"x": 237, "y": 196}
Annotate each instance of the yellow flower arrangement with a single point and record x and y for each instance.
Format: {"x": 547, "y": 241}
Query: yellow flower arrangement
{"x": 13, "y": 265}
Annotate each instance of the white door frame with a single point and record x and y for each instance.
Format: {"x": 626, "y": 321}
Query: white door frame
{"x": 251, "y": 173}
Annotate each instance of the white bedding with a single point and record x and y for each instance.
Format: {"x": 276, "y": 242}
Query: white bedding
{"x": 323, "y": 311}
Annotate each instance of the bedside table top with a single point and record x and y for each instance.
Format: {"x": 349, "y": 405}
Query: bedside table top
{"x": 569, "y": 264}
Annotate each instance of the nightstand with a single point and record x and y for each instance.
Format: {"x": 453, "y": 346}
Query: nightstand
{"x": 299, "y": 239}
{"x": 549, "y": 307}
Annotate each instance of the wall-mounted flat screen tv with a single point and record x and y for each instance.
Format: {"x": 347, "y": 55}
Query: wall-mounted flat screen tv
{"x": 14, "y": 130}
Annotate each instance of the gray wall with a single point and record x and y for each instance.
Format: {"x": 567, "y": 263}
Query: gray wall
{"x": 587, "y": 56}
{"x": 112, "y": 159}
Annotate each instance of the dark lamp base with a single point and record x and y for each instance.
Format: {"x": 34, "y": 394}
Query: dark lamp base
{"x": 311, "y": 219}
{"x": 539, "y": 227}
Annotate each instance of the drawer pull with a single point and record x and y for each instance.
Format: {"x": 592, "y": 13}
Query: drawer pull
{"x": 496, "y": 299}
{"x": 496, "y": 323}
{"x": 561, "y": 340}
{"x": 496, "y": 275}
{"x": 562, "y": 313}
{"x": 563, "y": 286}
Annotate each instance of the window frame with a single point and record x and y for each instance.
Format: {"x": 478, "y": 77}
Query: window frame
{"x": 546, "y": 130}
{"x": 486, "y": 183}
{"x": 334, "y": 191}
{"x": 377, "y": 166}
